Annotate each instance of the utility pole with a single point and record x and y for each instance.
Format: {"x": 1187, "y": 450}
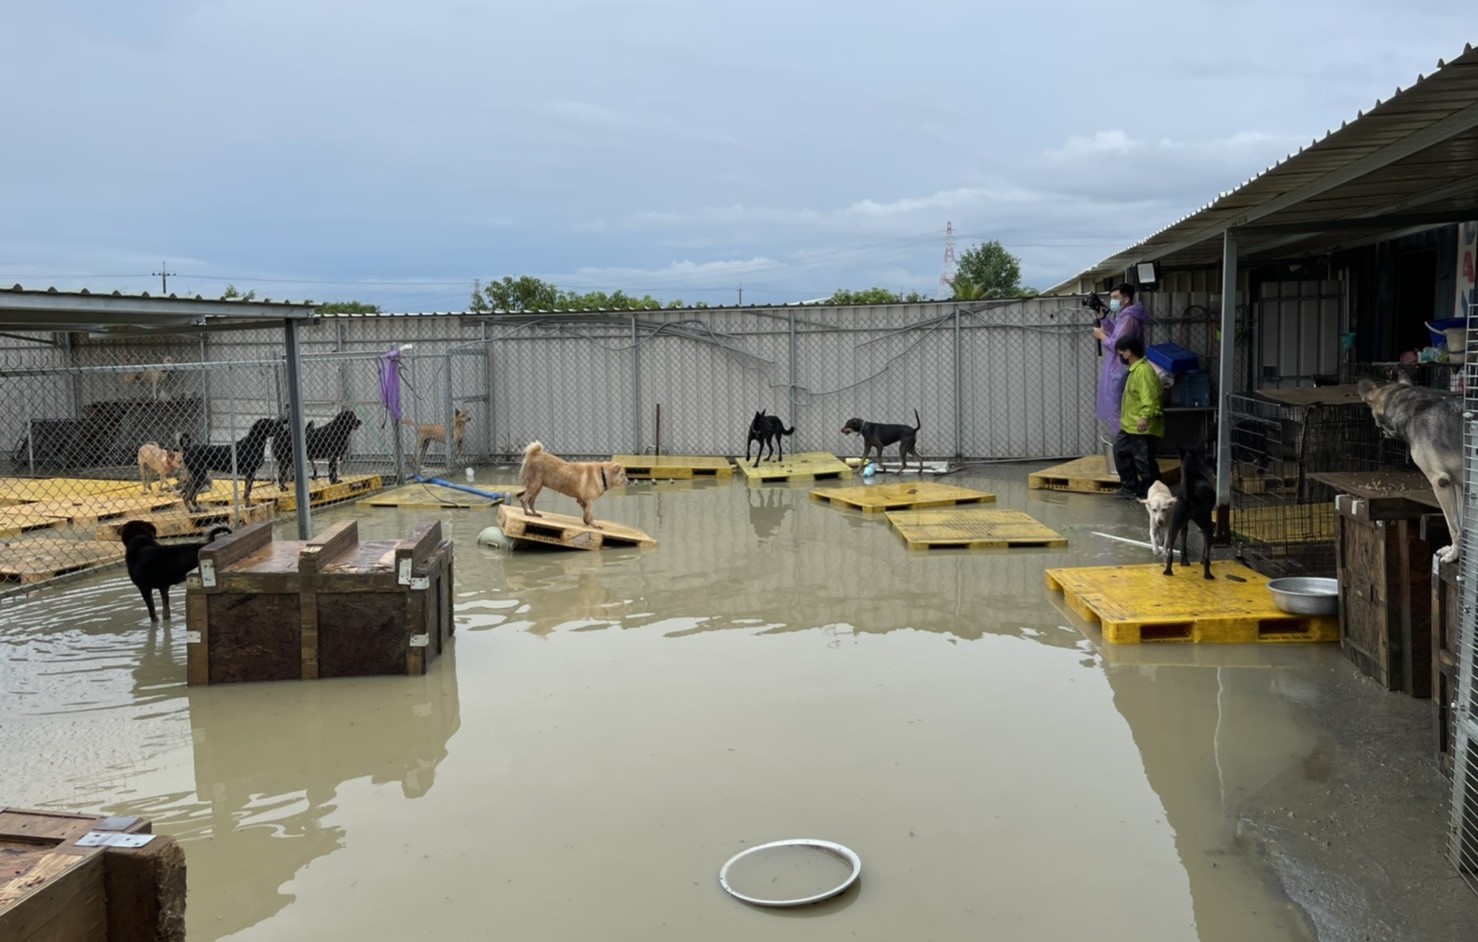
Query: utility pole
{"x": 164, "y": 274}
{"x": 741, "y": 294}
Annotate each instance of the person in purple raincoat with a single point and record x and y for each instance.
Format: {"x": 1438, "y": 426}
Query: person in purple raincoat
{"x": 1126, "y": 318}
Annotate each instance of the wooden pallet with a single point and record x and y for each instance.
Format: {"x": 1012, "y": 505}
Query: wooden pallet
{"x": 25, "y": 490}
{"x": 570, "y": 532}
{"x": 878, "y": 498}
{"x": 1139, "y": 604}
{"x": 820, "y": 465}
{"x": 102, "y": 509}
{"x": 37, "y": 560}
{"x": 674, "y": 467}
{"x": 320, "y": 492}
{"x": 180, "y": 522}
{"x": 436, "y": 497}
{"x": 1091, "y": 475}
{"x": 971, "y": 528}
{"x": 17, "y": 520}
{"x": 1284, "y": 523}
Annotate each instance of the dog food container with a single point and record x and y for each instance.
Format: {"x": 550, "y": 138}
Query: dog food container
{"x": 1305, "y": 596}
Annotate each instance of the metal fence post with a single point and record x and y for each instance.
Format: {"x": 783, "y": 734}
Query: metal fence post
{"x": 450, "y": 414}
{"x": 959, "y": 390}
{"x": 792, "y": 383}
{"x": 635, "y": 391}
{"x": 300, "y": 441}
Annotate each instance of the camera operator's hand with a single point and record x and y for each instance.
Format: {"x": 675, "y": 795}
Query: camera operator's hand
{"x": 1099, "y": 335}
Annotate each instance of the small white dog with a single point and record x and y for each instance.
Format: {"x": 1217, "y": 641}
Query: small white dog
{"x": 1161, "y": 506}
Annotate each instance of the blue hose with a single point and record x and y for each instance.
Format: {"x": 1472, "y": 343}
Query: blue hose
{"x": 462, "y": 487}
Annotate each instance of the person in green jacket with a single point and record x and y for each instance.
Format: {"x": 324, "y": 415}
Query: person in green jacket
{"x": 1141, "y": 421}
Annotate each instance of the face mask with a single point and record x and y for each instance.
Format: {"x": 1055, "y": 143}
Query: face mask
{"x": 1114, "y": 305}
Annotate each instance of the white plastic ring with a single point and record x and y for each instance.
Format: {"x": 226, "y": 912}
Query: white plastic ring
{"x": 845, "y": 853}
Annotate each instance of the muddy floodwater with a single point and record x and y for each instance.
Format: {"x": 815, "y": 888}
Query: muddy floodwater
{"x": 610, "y": 727}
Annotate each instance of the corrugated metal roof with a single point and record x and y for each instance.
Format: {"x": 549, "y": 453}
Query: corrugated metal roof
{"x": 1411, "y": 160}
{"x": 47, "y": 309}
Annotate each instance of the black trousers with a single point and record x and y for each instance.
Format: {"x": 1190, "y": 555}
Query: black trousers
{"x": 1134, "y": 458}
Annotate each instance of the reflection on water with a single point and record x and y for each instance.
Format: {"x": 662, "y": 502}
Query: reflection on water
{"x": 776, "y": 667}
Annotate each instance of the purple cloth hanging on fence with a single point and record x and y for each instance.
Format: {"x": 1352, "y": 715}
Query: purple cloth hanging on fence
{"x": 390, "y": 383}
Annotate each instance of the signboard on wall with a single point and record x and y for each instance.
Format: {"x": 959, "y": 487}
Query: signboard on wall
{"x": 1467, "y": 257}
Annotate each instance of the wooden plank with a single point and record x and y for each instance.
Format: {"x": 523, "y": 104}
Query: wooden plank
{"x": 1316, "y": 396}
{"x": 185, "y": 523}
{"x": 34, "y": 489}
{"x": 1135, "y": 605}
{"x": 571, "y": 532}
{"x": 412, "y": 552}
{"x": 420, "y": 496}
{"x": 877, "y": 498}
{"x": 1385, "y": 494}
{"x": 17, "y": 520}
{"x": 820, "y": 465}
{"x": 37, "y": 560}
{"x": 1091, "y": 475}
{"x": 88, "y": 510}
{"x": 226, "y": 552}
{"x": 971, "y": 527}
{"x": 674, "y": 467}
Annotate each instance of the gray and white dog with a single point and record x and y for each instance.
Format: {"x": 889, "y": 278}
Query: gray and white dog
{"x": 1430, "y": 422}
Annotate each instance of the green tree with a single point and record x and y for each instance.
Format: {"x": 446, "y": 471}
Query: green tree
{"x": 875, "y": 296}
{"x": 513, "y": 296}
{"x": 231, "y": 294}
{"x": 991, "y": 271}
{"x": 347, "y": 307}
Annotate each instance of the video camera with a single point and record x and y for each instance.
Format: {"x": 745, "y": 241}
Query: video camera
{"x": 1095, "y": 304}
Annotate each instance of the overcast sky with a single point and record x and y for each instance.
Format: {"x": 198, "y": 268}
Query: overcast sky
{"x": 393, "y": 151}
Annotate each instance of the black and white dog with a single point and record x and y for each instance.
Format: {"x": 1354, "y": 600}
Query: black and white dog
{"x": 1430, "y": 422}
{"x": 329, "y": 443}
{"x": 200, "y": 460}
{"x": 766, "y": 429}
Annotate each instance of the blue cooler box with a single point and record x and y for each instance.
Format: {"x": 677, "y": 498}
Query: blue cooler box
{"x": 1172, "y": 357}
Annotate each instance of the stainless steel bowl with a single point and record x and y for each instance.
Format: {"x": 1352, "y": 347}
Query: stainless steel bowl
{"x": 1306, "y": 595}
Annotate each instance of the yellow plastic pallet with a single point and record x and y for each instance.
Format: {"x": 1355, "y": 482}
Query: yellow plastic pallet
{"x": 971, "y": 528}
{"x": 1139, "y": 604}
{"x": 571, "y": 532}
{"x": 878, "y": 498}
{"x": 25, "y": 490}
{"x": 420, "y": 496}
{"x": 674, "y": 467}
{"x": 1091, "y": 475}
{"x": 1285, "y": 523}
{"x": 183, "y": 523}
{"x": 819, "y": 465}
{"x": 31, "y": 561}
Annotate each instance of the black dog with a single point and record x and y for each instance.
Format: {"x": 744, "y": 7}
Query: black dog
{"x": 766, "y": 429}
{"x": 329, "y": 443}
{"x": 1196, "y": 500}
{"x": 200, "y": 460}
{"x": 154, "y": 565}
{"x": 877, "y": 436}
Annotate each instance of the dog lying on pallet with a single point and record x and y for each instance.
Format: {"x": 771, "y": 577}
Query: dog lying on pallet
{"x": 877, "y": 435}
{"x": 1430, "y": 422}
{"x": 583, "y": 480}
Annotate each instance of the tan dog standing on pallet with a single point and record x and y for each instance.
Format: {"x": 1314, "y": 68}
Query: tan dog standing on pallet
{"x": 159, "y": 462}
{"x": 429, "y": 432}
{"x": 583, "y": 480}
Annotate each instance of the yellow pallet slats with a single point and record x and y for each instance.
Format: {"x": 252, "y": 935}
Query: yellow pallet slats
{"x": 184, "y": 523}
{"x": 570, "y": 532}
{"x": 1091, "y": 475}
{"x": 819, "y": 465}
{"x": 1139, "y": 604}
{"x": 421, "y": 496}
{"x": 674, "y": 467}
{"x": 971, "y": 528}
{"x": 25, "y": 490}
{"x": 37, "y": 560}
{"x": 878, "y": 498}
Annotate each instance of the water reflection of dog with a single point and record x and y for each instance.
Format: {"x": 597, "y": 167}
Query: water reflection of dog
{"x": 768, "y": 511}
{"x": 559, "y": 586}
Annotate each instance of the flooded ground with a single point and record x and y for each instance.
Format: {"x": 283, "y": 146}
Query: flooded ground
{"x": 610, "y": 727}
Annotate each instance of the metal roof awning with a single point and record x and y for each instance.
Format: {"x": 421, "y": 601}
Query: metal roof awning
{"x": 52, "y": 310}
{"x": 1409, "y": 163}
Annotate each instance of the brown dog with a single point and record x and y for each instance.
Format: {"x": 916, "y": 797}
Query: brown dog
{"x": 157, "y": 461}
{"x": 429, "y": 432}
{"x": 582, "y": 480}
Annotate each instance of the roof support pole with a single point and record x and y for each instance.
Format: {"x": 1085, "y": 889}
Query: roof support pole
{"x": 1226, "y": 373}
{"x": 295, "y": 429}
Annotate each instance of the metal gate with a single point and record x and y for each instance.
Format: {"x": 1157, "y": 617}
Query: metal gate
{"x": 1463, "y": 848}
{"x": 1298, "y": 326}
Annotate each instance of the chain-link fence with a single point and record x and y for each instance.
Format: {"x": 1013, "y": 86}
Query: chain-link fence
{"x": 1463, "y": 845}
{"x": 192, "y": 432}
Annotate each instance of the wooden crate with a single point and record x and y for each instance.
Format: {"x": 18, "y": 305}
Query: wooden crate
{"x": 66, "y": 878}
{"x": 1384, "y": 569}
{"x": 1447, "y": 606}
{"x": 260, "y": 609}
